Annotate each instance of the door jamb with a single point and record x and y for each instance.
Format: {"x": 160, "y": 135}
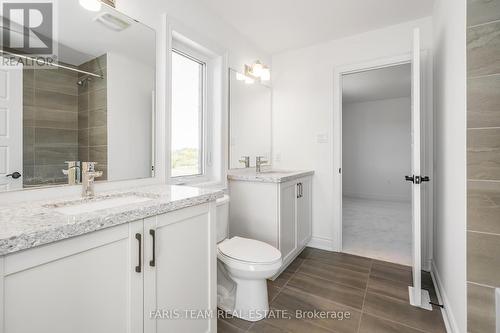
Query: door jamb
{"x": 427, "y": 159}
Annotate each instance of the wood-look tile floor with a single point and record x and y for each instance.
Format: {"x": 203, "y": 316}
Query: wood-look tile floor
{"x": 374, "y": 293}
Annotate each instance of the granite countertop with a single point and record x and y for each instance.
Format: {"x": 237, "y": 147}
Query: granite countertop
{"x": 266, "y": 176}
{"x": 30, "y": 224}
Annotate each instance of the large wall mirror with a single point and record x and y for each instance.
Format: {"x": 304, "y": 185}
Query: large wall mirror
{"x": 95, "y": 103}
{"x": 249, "y": 120}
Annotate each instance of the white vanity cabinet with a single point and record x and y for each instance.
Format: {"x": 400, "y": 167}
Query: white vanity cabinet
{"x": 112, "y": 281}
{"x": 278, "y": 213}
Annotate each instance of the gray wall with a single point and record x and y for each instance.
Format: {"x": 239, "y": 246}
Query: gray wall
{"x": 376, "y": 149}
{"x": 483, "y": 162}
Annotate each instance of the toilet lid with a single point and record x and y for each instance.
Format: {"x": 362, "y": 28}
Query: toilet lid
{"x": 249, "y": 250}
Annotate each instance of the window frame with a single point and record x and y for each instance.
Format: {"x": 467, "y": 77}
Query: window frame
{"x": 192, "y": 53}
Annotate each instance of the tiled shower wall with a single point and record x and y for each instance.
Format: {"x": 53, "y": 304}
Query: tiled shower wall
{"x": 483, "y": 163}
{"x": 92, "y": 117}
{"x": 63, "y": 122}
{"x": 50, "y": 124}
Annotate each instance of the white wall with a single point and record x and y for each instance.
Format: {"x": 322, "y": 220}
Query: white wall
{"x": 130, "y": 110}
{"x": 376, "y": 149}
{"x": 303, "y": 106}
{"x": 195, "y": 15}
{"x": 450, "y": 157}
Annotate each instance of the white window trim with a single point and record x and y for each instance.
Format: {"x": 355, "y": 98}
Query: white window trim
{"x": 207, "y": 116}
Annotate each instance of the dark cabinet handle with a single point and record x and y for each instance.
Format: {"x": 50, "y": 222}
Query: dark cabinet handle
{"x": 152, "y": 262}
{"x": 14, "y": 175}
{"x": 410, "y": 179}
{"x": 298, "y": 190}
{"x": 138, "y": 267}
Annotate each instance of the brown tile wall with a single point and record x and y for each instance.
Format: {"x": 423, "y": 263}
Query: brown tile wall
{"x": 92, "y": 117}
{"x": 483, "y": 163}
{"x": 63, "y": 122}
{"x": 50, "y": 124}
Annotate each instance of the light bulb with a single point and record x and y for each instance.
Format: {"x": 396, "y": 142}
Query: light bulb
{"x": 91, "y": 5}
{"x": 266, "y": 74}
{"x": 257, "y": 69}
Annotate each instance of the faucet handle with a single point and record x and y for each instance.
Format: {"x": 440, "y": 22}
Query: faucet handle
{"x": 89, "y": 166}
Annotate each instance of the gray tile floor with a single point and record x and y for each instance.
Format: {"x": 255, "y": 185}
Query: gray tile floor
{"x": 373, "y": 293}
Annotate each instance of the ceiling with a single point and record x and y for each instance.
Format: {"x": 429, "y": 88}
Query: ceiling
{"x": 378, "y": 84}
{"x": 279, "y": 25}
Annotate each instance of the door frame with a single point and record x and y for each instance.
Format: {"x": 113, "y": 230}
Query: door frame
{"x": 427, "y": 146}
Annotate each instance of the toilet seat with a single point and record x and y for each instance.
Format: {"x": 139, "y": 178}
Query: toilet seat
{"x": 249, "y": 251}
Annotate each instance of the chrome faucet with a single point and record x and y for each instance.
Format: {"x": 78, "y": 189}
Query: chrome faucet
{"x": 73, "y": 172}
{"x": 259, "y": 161}
{"x": 88, "y": 178}
{"x": 246, "y": 160}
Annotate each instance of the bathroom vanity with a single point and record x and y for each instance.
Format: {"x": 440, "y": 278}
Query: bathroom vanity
{"x": 134, "y": 261}
{"x": 274, "y": 207}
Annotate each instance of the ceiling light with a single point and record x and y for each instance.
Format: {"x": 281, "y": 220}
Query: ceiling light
{"x": 92, "y": 5}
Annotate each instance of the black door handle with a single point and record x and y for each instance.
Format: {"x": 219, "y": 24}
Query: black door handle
{"x": 425, "y": 179}
{"x": 152, "y": 262}
{"x": 14, "y": 175}
{"x": 138, "y": 267}
{"x": 410, "y": 179}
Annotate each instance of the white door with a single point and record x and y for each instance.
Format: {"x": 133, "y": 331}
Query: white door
{"x": 86, "y": 284}
{"x": 180, "y": 279}
{"x": 416, "y": 298}
{"x": 288, "y": 220}
{"x": 304, "y": 228}
{"x": 11, "y": 127}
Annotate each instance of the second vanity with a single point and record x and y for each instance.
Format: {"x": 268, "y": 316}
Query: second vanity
{"x": 134, "y": 261}
{"x": 272, "y": 206}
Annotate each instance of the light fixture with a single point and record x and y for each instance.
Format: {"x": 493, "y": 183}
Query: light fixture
{"x": 249, "y": 80}
{"x": 240, "y": 77}
{"x": 258, "y": 71}
{"x": 92, "y": 5}
{"x": 266, "y": 74}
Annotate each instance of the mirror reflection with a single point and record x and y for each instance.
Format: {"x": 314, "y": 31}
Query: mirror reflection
{"x": 250, "y": 121}
{"x": 94, "y": 104}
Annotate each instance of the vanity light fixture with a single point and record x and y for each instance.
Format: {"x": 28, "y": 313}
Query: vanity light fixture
{"x": 258, "y": 71}
{"x": 91, "y": 5}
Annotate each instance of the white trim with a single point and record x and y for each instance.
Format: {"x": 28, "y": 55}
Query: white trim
{"x": 448, "y": 318}
{"x": 321, "y": 243}
{"x": 427, "y": 162}
{"x": 215, "y": 123}
{"x": 337, "y": 132}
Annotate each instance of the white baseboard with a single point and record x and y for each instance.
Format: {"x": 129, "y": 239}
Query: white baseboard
{"x": 448, "y": 318}
{"x": 321, "y": 243}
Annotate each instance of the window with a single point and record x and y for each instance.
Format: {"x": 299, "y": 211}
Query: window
{"x": 188, "y": 100}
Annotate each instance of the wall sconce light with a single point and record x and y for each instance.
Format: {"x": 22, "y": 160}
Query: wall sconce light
{"x": 258, "y": 71}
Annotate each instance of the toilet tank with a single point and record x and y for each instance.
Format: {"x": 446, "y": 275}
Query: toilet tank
{"x": 222, "y": 218}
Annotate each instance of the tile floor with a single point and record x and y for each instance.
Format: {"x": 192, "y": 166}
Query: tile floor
{"x": 374, "y": 293}
{"x": 377, "y": 229}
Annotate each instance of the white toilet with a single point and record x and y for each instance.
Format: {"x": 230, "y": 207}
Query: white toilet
{"x": 243, "y": 266}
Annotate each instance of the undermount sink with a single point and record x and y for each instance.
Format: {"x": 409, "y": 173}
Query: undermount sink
{"x": 98, "y": 203}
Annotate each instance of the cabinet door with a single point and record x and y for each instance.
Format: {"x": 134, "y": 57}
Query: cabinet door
{"x": 287, "y": 221}
{"x": 79, "y": 285}
{"x": 181, "y": 285}
{"x": 304, "y": 212}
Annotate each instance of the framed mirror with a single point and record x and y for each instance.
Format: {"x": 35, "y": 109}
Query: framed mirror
{"x": 250, "y": 117}
{"x": 94, "y": 103}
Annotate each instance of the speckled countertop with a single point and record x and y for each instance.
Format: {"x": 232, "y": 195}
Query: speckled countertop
{"x": 30, "y": 224}
{"x": 266, "y": 176}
